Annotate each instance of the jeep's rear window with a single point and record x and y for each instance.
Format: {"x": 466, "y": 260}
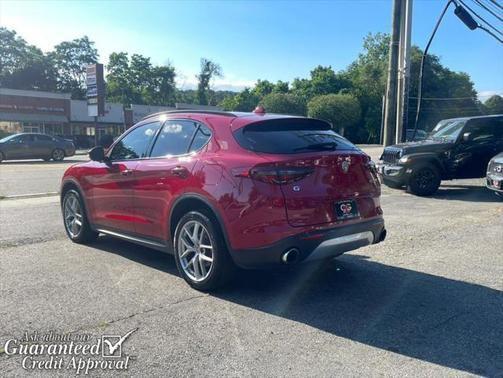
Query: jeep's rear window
{"x": 291, "y": 136}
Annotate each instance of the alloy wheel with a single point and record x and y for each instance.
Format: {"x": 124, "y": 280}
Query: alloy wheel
{"x": 195, "y": 250}
{"x": 58, "y": 155}
{"x": 73, "y": 215}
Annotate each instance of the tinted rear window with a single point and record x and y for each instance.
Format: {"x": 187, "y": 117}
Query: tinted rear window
{"x": 291, "y": 136}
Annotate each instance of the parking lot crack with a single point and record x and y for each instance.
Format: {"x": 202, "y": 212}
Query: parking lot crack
{"x": 145, "y": 311}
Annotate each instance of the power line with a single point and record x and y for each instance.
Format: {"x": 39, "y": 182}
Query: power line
{"x": 496, "y": 3}
{"x": 484, "y": 21}
{"x": 488, "y": 9}
{"x": 447, "y": 98}
{"x": 492, "y": 7}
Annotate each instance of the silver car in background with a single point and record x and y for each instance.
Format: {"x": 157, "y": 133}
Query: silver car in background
{"x": 494, "y": 178}
{"x": 35, "y": 146}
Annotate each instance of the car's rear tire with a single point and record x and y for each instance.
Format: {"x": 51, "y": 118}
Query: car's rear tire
{"x": 424, "y": 181}
{"x": 391, "y": 184}
{"x": 201, "y": 254}
{"x": 1, "y": 157}
{"x": 58, "y": 154}
{"x": 75, "y": 219}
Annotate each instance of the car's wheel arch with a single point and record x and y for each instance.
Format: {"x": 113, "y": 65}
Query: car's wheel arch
{"x": 193, "y": 201}
{"x": 70, "y": 184}
{"x": 426, "y": 160}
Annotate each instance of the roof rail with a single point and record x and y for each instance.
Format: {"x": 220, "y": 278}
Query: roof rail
{"x": 179, "y": 111}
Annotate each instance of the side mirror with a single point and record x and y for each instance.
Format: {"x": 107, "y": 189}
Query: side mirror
{"x": 97, "y": 154}
{"x": 467, "y": 137}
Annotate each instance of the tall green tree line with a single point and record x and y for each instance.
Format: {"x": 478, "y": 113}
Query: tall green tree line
{"x": 351, "y": 98}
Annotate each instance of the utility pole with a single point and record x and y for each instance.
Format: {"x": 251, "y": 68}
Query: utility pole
{"x": 403, "y": 70}
{"x": 391, "y": 87}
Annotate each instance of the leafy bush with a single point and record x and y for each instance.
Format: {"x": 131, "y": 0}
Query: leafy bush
{"x": 341, "y": 110}
{"x": 284, "y": 103}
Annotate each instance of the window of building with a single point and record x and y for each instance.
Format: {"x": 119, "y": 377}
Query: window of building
{"x": 10, "y": 127}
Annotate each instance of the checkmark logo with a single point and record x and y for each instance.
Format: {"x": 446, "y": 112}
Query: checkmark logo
{"x": 111, "y": 345}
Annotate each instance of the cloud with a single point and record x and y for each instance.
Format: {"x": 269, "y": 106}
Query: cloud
{"x": 227, "y": 83}
{"x": 484, "y": 95}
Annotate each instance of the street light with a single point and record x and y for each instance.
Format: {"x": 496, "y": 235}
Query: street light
{"x": 468, "y": 20}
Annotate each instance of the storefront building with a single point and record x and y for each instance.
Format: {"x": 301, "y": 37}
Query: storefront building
{"x": 85, "y": 131}
{"x": 33, "y": 111}
{"x": 23, "y": 111}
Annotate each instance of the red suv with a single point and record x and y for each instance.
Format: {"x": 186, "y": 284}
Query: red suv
{"x": 220, "y": 190}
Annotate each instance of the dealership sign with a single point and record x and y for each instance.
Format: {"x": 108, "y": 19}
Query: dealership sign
{"x": 95, "y": 93}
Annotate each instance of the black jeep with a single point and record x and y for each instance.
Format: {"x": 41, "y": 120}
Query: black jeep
{"x": 456, "y": 148}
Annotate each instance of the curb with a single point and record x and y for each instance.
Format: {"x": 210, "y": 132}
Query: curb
{"x": 31, "y": 195}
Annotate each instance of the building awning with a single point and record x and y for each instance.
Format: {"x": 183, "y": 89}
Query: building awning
{"x": 24, "y": 117}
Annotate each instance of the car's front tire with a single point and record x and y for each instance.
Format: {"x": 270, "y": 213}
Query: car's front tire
{"x": 58, "y": 154}
{"x": 75, "y": 219}
{"x": 424, "y": 181}
{"x": 201, "y": 254}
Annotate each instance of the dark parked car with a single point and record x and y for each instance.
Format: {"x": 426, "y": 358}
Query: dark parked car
{"x": 221, "y": 189}
{"x": 494, "y": 176}
{"x": 456, "y": 148}
{"x": 35, "y": 146}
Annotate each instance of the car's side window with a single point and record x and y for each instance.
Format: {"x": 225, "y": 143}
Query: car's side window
{"x": 174, "y": 138}
{"x": 135, "y": 144}
{"x": 26, "y": 138}
{"x": 43, "y": 138}
{"x": 202, "y": 136}
{"x": 481, "y": 131}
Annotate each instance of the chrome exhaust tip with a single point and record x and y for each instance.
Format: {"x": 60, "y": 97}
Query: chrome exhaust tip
{"x": 290, "y": 256}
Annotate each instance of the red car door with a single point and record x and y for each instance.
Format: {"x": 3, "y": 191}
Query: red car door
{"x": 167, "y": 174}
{"x": 110, "y": 184}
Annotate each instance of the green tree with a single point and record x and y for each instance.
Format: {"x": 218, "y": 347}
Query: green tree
{"x": 70, "y": 60}
{"x": 23, "y": 66}
{"x": 342, "y": 111}
{"x": 494, "y": 105}
{"x": 323, "y": 80}
{"x": 136, "y": 81}
{"x": 284, "y": 103}
{"x": 367, "y": 77}
{"x": 263, "y": 88}
{"x": 244, "y": 101}
{"x": 280, "y": 87}
{"x": 209, "y": 70}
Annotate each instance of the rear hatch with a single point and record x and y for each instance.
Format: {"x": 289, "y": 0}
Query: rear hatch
{"x": 319, "y": 172}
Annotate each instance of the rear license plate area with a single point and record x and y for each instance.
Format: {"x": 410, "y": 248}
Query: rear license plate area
{"x": 346, "y": 210}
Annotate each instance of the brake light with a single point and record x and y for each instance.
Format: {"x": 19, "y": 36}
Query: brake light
{"x": 275, "y": 174}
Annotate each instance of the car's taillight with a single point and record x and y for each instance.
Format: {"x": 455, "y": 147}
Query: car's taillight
{"x": 275, "y": 174}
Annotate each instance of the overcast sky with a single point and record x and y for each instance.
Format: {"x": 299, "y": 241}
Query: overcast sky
{"x": 272, "y": 40}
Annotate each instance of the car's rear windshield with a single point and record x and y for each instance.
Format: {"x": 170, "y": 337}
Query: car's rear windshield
{"x": 291, "y": 136}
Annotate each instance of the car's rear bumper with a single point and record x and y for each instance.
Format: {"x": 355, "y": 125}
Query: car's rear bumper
{"x": 314, "y": 245}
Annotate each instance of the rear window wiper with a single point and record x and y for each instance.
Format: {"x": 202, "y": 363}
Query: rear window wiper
{"x": 318, "y": 146}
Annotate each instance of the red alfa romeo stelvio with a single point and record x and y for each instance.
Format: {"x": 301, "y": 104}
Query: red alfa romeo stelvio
{"x": 221, "y": 190}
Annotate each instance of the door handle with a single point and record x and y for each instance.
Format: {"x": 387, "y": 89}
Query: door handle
{"x": 126, "y": 172}
{"x": 180, "y": 171}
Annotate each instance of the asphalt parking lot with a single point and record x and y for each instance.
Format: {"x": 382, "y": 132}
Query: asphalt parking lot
{"x": 428, "y": 301}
